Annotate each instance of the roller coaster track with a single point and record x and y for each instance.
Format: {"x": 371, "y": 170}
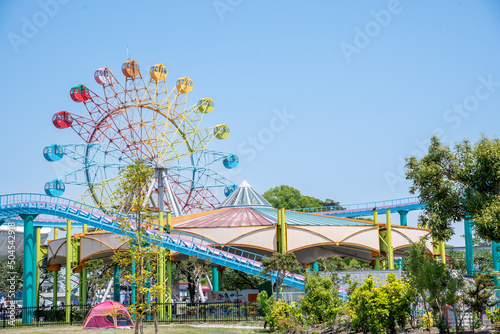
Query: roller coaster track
{"x": 367, "y": 209}
{"x": 13, "y": 205}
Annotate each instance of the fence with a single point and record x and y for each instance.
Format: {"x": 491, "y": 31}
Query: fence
{"x": 181, "y": 313}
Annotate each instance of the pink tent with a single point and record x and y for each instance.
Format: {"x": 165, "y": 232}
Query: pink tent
{"x": 109, "y": 314}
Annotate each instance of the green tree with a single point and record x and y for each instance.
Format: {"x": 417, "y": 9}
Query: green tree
{"x": 141, "y": 252}
{"x": 11, "y": 272}
{"x": 478, "y": 295}
{"x": 436, "y": 285}
{"x": 98, "y": 275}
{"x": 238, "y": 280}
{"x": 459, "y": 182}
{"x": 266, "y": 303}
{"x": 290, "y": 198}
{"x": 322, "y": 303}
{"x": 379, "y": 308}
{"x": 279, "y": 265}
{"x": 193, "y": 269}
{"x": 335, "y": 264}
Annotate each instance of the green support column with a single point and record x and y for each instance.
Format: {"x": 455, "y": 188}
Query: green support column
{"x": 469, "y": 255}
{"x": 29, "y": 269}
{"x": 169, "y": 288}
{"x": 83, "y": 277}
{"x": 377, "y": 258}
{"x": 403, "y": 219}
{"x": 390, "y": 251}
{"x": 215, "y": 279}
{"x": 55, "y": 274}
{"x": 169, "y": 273}
{"x": 37, "y": 265}
{"x": 282, "y": 231}
{"x": 496, "y": 266}
{"x": 116, "y": 283}
{"x": 69, "y": 255}
{"x": 221, "y": 278}
{"x": 83, "y": 286}
{"x": 161, "y": 271}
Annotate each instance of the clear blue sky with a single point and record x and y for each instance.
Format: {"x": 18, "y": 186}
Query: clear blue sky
{"x": 359, "y": 85}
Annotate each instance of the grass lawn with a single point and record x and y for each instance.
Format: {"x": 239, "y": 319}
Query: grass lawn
{"x": 178, "y": 329}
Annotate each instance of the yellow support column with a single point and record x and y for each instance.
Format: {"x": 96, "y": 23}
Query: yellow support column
{"x": 284, "y": 246}
{"x": 169, "y": 274}
{"x": 390, "y": 252}
{"x": 377, "y": 258}
{"x": 443, "y": 252}
{"x": 69, "y": 249}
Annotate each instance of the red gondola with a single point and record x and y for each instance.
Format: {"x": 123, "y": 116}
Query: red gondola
{"x": 62, "y": 120}
{"x": 79, "y": 93}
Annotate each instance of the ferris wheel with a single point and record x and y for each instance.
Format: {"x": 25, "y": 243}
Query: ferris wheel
{"x": 139, "y": 120}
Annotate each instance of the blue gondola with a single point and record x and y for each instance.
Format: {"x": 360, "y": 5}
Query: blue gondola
{"x": 231, "y": 161}
{"x": 54, "y": 188}
{"x": 53, "y": 152}
{"x": 230, "y": 189}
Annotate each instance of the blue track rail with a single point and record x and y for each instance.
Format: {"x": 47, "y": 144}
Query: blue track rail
{"x": 182, "y": 242}
{"x": 367, "y": 209}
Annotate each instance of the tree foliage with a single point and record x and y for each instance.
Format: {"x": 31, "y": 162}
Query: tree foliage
{"x": 335, "y": 264}
{"x": 322, "y": 303}
{"x": 478, "y": 295}
{"x": 436, "y": 284}
{"x": 279, "y": 265}
{"x": 458, "y": 183}
{"x": 98, "y": 275}
{"x": 285, "y": 318}
{"x": 193, "y": 269}
{"x": 11, "y": 275}
{"x": 377, "y": 308}
{"x": 290, "y": 198}
{"x": 129, "y": 199}
{"x": 235, "y": 280}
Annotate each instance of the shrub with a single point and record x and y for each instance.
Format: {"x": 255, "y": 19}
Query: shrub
{"x": 380, "y": 309}
{"x": 285, "y": 318}
{"x": 321, "y": 302}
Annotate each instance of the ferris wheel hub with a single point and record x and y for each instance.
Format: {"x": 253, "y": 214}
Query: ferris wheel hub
{"x": 157, "y": 163}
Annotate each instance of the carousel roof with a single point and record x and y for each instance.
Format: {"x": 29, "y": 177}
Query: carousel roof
{"x": 245, "y": 207}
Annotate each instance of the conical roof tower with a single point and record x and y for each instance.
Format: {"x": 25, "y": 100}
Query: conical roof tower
{"x": 245, "y": 196}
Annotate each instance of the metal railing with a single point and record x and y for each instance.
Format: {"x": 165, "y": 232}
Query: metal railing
{"x": 182, "y": 312}
{"x": 362, "y": 206}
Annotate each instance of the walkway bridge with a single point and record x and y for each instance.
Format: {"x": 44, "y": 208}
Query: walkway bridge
{"x": 11, "y": 206}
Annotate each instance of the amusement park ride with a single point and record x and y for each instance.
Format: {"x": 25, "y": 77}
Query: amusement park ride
{"x": 140, "y": 119}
